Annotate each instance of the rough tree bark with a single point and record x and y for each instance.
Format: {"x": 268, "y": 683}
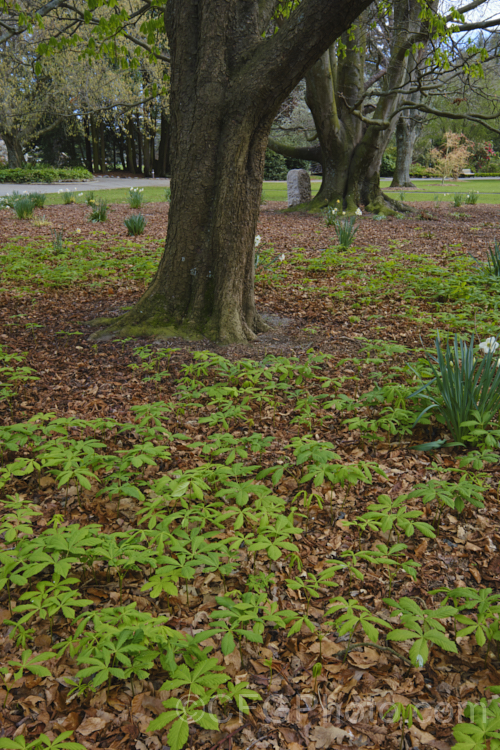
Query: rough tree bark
{"x": 227, "y": 83}
{"x": 15, "y": 154}
{"x": 352, "y": 142}
{"x": 409, "y": 126}
{"x": 162, "y": 165}
{"x": 407, "y": 132}
{"x": 15, "y": 139}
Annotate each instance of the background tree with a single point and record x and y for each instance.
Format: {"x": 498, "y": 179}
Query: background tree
{"x": 62, "y": 100}
{"x": 392, "y": 63}
{"x": 353, "y": 92}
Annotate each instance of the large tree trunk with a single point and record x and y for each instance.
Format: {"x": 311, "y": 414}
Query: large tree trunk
{"x": 102, "y": 143}
{"x": 227, "y": 84}
{"x": 406, "y": 135}
{"x": 162, "y": 167}
{"x": 88, "y": 145}
{"x": 95, "y": 144}
{"x": 15, "y": 154}
{"x": 409, "y": 126}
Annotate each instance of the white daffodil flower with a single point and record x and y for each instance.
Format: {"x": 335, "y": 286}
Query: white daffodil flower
{"x": 282, "y": 257}
{"x": 359, "y": 212}
{"x": 490, "y": 345}
{"x": 257, "y": 240}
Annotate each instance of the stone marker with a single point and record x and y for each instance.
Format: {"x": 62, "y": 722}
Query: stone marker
{"x": 298, "y": 184}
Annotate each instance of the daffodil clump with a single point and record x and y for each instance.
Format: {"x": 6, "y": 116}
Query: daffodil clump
{"x": 68, "y": 196}
{"x": 135, "y": 197}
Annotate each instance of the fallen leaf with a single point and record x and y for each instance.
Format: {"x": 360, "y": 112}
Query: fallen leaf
{"x": 289, "y": 734}
{"x": 327, "y": 648}
{"x": 363, "y": 660}
{"x": 424, "y": 738}
{"x": 233, "y": 662}
{"x": 327, "y": 736}
{"x": 46, "y": 481}
{"x": 70, "y": 722}
{"x": 421, "y": 549}
{"x": 90, "y": 725}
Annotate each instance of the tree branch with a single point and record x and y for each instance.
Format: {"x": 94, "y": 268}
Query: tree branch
{"x": 44, "y": 10}
{"x": 281, "y": 61}
{"x": 478, "y": 25}
{"x": 308, "y": 153}
{"x": 473, "y": 117}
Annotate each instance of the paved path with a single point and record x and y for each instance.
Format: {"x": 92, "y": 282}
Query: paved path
{"x": 100, "y": 183}
{"x": 111, "y": 183}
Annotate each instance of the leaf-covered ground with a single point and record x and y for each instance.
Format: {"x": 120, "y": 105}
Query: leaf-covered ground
{"x": 142, "y": 481}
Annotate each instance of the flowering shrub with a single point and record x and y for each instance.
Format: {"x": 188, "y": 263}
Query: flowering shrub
{"x": 452, "y": 156}
{"x": 482, "y": 155}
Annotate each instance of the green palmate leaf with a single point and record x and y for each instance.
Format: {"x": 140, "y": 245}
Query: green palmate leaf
{"x": 227, "y": 644}
{"x": 162, "y": 720}
{"x": 273, "y": 552}
{"x": 441, "y": 640}
{"x": 401, "y": 635}
{"x": 207, "y": 721}
{"x": 419, "y": 652}
{"x": 370, "y": 630}
{"x": 178, "y": 734}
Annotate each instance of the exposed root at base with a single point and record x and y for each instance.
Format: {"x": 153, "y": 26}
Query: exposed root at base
{"x": 387, "y": 206}
{"x": 126, "y": 326}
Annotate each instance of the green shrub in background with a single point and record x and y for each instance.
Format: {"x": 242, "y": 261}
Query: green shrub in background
{"x": 388, "y": 164}
{"x": 37, "y": 199}
{"x": 275, "y": 167}
{"x": 292, "y": 163}
{"x": 44, "y": 174}
{"x": 417, "y": 170}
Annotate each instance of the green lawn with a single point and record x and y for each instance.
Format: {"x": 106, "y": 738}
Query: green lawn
{"x": 489, "y": 191}
{"x": 118, "y": 195}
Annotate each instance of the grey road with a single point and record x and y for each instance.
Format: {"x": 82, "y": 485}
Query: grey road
{"x": 100, "y": 183}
